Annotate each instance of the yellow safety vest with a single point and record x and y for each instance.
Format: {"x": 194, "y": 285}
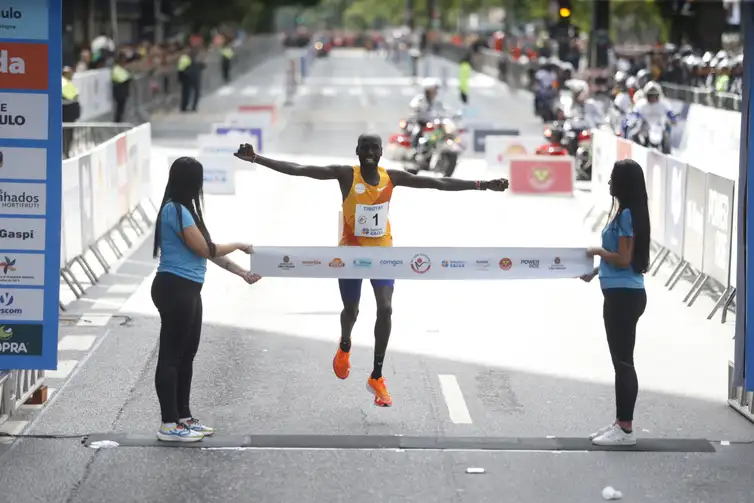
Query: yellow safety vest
{"x": 464, "y": 74}
{"x": 120, "y": 74}
{"x": 70, "y": 91}
{"x": 227, "y": 52}
{"x": 184, "y": 62}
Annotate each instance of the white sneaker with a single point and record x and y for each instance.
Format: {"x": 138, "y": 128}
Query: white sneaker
{"x": 615, "y": 436}
{"x": 601, "y": 431}
{"x": 196, "y": 426}
{"x": 178, "y": 433}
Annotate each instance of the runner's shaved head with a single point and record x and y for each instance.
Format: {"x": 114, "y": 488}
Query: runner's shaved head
{"x": 369, "y": 139}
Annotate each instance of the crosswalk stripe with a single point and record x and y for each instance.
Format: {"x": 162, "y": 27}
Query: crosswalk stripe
{"x": 225, "y": 91}
{"x": 383, "y": 92}
{"x": 329, "y": 91}
{"x": 250, "y": 91}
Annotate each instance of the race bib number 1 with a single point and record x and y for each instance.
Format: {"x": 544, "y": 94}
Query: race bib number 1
{"x": 371, "y": 220}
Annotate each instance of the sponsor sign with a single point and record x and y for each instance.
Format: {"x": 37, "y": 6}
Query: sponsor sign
{"x": 24, "y": 20}
{"x": 695, "y": 216}
{"x": 656, "y": 176}
{"x": 23, "y": 163}
{"x": 219, "y": 173}
{"x": 22, "y": 269}
{"x": 224, "y": 129}
{"x": 480, "y": 135}
{"x": 421, "y": 263}
{"x": 19, "y": 341}
{"x": 24, "y": 116}
{"x": 23, "y": 198}
{"x": 718, "y": 227}
{"x": 23, "y": 66}
{"x": 31, "y": 188}
{"x": 498, "y": 150}
{"x": 22, "y": 234}
{"x": 22, "y": 304}
{"x": 675, "y": 205}
{"x": 542, "y": 175}
{"x": 226, "y": 144}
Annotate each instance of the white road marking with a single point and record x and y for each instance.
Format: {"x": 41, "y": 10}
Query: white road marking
{"x": 328, "y": 91}
{"x": 274, "y": 91}
{"x": 225, "y": 91}
{"x": 65, "y": 367}
{"x": 407, "y": 91}
{"x": 76, "y": 343}
{"x": 381, "y": 91}
{"x": 355, "y": 91}
{"x": 250, "y": 91}
{"x": 451, "y": 391}
{"x": 122, "y": 288}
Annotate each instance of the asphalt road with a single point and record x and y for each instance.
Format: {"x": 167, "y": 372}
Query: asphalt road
{"x": 521, "y": 360}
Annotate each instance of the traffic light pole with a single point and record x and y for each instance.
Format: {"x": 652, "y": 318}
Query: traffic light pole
{"x": 599, "y": 39}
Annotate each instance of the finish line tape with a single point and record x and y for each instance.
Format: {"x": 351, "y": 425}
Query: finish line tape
{"x": 354, "y": 262}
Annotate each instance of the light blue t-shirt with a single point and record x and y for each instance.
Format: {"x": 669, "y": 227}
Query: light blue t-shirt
{"x": 612, "y": 276}
{"x": 175, "y": 255}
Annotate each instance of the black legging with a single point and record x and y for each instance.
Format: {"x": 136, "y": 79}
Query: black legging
{"x": 179, "y": 302}
{"x": 621, "y": 311}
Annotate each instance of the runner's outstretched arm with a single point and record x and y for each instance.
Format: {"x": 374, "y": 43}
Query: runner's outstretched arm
{"x": 334, "y": 172}
{"x": 405, "y": 179}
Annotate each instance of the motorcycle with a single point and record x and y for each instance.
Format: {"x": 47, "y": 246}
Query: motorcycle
{"x": 438, "y": 149}
{"x": 570, "y": 138}
{"x": 654, "y": 135}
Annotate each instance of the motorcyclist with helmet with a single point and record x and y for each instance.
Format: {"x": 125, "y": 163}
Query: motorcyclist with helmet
{"x": 424, "y": 107}
{"x": 653, "y": 108}
{"x": 643, "y": 77}
{"x": 545, "y": 81}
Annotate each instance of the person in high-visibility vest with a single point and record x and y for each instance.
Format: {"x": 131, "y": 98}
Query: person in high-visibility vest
{"x": 121, "y": 80}
{"x": 464, "y": 74}
{"x": 190, "y": 75}
{"x": 227, "y": 56}
{"x": 71, "y": 108}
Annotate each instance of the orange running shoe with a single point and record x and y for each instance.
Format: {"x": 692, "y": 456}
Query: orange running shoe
{"x": 379, "y": 390}
{"x": 341, "y": 364}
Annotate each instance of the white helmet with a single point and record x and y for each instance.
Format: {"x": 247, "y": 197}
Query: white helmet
{"x": 430, "y": 84}
{"x": 653, "y": 88}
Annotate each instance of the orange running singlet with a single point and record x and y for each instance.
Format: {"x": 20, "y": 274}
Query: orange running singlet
{"x": 365, "y": 211}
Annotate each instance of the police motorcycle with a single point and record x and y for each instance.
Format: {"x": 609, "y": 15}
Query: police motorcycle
{"x": 651, "y": 131}
{"x": 438, "y": 149}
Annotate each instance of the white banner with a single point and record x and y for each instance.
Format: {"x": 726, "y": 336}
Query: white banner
{"x": 420, "y": 263}
{"x": 498, "y": 150}
{"x": 95, "y": 93}
{"x": 226, "y": 144}
{"x": 235, "y": 129}
{"x": 71, "y": 210}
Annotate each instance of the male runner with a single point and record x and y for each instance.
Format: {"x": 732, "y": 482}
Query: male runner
{"x": 367, "y": 189}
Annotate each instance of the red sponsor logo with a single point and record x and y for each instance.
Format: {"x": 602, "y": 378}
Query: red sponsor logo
{"x": 541, "y": 175}
{"x": 23, "y": 66}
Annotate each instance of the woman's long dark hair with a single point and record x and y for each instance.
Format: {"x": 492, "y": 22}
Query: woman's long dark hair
{"x": 628, "y": 187}
{"x": 184, "y": 187}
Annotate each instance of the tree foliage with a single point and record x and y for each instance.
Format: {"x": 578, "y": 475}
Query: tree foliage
{"x": 255, "y": 15}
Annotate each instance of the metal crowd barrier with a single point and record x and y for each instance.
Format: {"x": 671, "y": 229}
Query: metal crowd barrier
{"x": 519, "y": 76}
{"x": 106, "y": 190}
{"x": 158, "y": 89}
{"x": 81, "y": 137}
{"x": 299, "y": 63}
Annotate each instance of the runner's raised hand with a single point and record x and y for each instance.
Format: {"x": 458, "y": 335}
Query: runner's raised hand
{"x": 246, "y": 153}
{"x": 499, "y": 185}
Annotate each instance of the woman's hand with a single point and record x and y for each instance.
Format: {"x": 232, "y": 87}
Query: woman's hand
{"x": 246, "y": 153}
{"x": 248, "y": 249}
{"x": 587, "y": 278}
{"x": 593, "y": 251}
{"x": 249, "y": 277}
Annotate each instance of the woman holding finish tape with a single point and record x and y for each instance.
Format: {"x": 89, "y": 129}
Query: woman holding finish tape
{"x": 624, "y": 258}
{"x": 184, "y": 244}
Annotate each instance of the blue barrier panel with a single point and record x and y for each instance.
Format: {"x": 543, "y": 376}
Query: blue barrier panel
{"x": 240, "y": 129}
{"x": 30, "y": 182}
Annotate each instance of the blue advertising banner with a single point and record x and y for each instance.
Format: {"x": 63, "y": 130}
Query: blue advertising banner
{"x": 30, "y": 182}
{"x": 252, "y": 131}
{"x": 744, "y": 339}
